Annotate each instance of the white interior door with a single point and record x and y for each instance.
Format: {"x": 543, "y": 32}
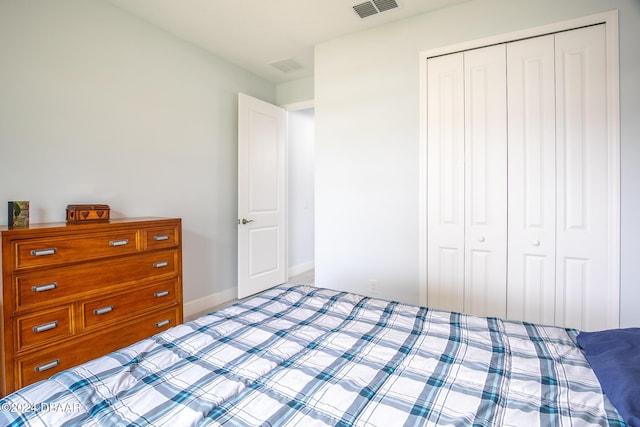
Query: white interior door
{"x": 261, "y": 195}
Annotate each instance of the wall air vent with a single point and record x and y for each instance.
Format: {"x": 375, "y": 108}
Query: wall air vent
{"x": 286, "y": 65}
{"x": 373, "y": 7}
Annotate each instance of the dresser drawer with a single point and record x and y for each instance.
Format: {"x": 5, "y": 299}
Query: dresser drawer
{"x": 44, "y": 287}
{"x": 43, "y": 364}
{"x": 120, "y": 306}
{"x": 66, "y": 249}
{"x": 160, "y": 237}
{"x": 43, "y": 327}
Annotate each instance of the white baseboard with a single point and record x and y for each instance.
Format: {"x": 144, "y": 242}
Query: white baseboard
{"x": 201, "y": 305}
{"x": 301, "y": 268}
{"x": 192, "y": 309}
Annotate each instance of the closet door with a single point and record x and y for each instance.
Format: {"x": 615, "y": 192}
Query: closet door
{"x": 445, "y": 186}
{"x": 532, "y": 180}
{"x": 485, "y": 275}
{"x": 530, "y": 232}
{"x": 583, "y": 226}
{"x": 559, "y": 229}
{"x": 467, "y": 182}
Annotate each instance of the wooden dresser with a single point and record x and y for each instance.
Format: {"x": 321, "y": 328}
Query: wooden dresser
{"x": 73, "y": 292}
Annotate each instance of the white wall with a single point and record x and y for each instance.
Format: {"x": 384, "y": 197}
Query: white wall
{"x": 367, "y": 139}
{"x": 295, "y": 92}
{"x": 99, "y": 107}
{"x": 301, "y": 199}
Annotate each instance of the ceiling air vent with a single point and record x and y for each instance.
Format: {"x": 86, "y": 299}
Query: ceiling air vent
{"x": 373, "y": 7}
{"x": 287, "y": 65}
{"x": 384, "y": 5}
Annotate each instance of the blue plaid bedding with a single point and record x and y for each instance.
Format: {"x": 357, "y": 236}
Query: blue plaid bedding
{"x": 305, "y": 356}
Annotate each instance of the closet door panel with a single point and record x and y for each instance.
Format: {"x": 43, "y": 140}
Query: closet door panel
{"x": 479, "y": 299}
{"x": 532, "y": 180}
{"x": 485, "y": 181}
{"x": 445, "y": 187}
{"x": 582, "y": 179}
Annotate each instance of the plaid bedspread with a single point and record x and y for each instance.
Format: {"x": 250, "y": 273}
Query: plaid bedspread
{"x": 304, "y": 356}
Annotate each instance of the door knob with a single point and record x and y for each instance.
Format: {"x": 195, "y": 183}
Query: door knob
{"x": 244, "y": 221}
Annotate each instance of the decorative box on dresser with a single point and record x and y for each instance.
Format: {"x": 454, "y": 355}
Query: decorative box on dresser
{"x": 73, "y": 292}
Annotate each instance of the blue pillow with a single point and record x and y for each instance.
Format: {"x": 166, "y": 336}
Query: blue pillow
{"x": 614, "y": 356}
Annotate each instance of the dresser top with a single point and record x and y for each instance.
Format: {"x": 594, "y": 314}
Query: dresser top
{"x": 93, "y": 225}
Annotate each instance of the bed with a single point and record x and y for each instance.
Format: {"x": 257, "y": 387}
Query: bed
{"x": 306, "y": 356}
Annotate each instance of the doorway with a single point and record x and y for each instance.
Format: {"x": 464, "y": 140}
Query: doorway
{"x": 301, "y": 194}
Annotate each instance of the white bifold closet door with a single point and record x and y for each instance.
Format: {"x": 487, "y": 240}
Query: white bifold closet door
{"x": 485, "y": 159}
{"x": 558, "y": 171}
{"x": 532, "y": 180}
{"x": 445, "y": 184}
{"x": 518, "y": 167}
{"x": 467, "y": 185}
{"x": 582, "y": 154}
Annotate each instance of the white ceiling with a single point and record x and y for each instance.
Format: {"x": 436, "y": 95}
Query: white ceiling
{"x": 255, "y": 33}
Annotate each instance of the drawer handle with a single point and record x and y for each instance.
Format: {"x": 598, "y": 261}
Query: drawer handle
{"x": 160, "y": 264}
{"x": 122, "y": 242}
{"x": 45, "y": 327}
{"x": 161, "y": 237}
{"x": 103, "y": 310}
{"x": 44, "y": 252}
{"x": 46, "y": 366}
{"x": 44, "y": 288}
{"x": 162, "y": 323}
{"x": 161, "y": 294}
